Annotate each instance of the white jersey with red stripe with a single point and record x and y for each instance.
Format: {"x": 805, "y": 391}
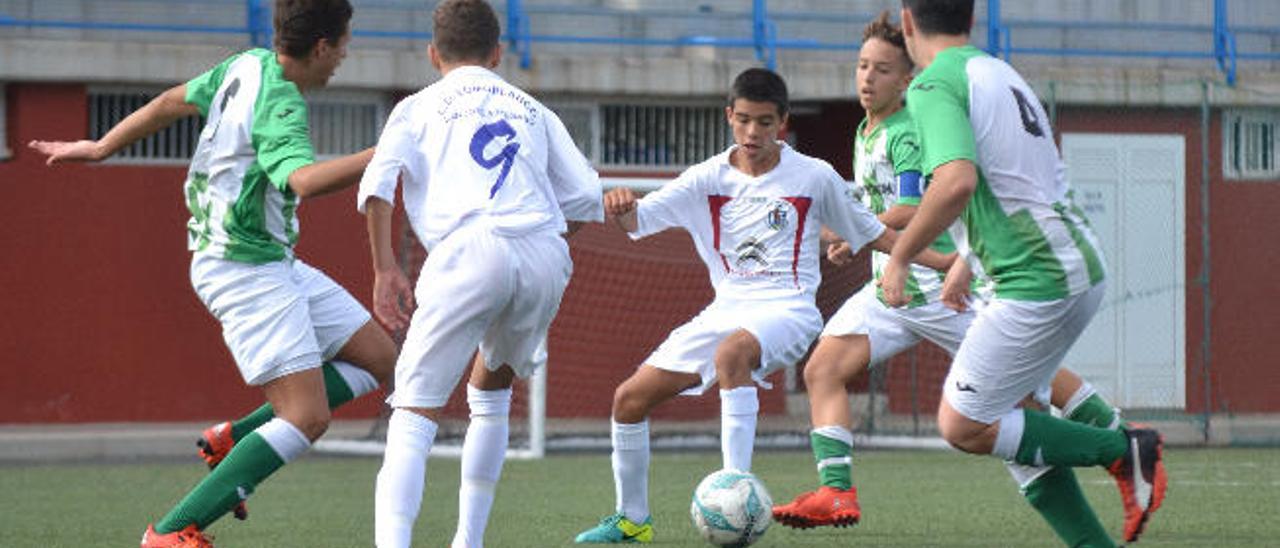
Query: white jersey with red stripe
{"x": 758, "y": 236}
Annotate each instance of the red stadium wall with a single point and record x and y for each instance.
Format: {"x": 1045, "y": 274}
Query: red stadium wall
{"x": 102, "y": 325}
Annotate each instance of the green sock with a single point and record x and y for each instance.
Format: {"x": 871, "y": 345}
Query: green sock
{"x": 1056, "y": 495}
{"x": 248, "y": 464}
{"x": 1095, "y": 411}
{"x": 335, "y": 387}
{"x": 835, "y": 463}
{"x": 1055, "y": 442}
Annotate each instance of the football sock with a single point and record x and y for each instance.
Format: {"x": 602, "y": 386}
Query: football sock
{"x": 251, "y": 461}
{"x": 1056, "y": 495}
{"x": 398, "y": 493}
{"x": 1086, "y": 406}
{"x": 631, "y": 469}
{"x": 738, "y": 410}
{"x": 833, "y": 450}
{"x": 1035, "y": 438}
{"x": 343, "y": 382}
{"x": 483, "y": 451}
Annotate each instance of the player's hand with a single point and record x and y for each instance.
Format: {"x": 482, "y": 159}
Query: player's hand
{"x": 619, "y": 201}
{"x": 392, "y": 298}
{"x": 839, "y": 252}
{"x": 893, "y": 282}
{"x": 68, "y": 151}
{"x": 956, "y": 286}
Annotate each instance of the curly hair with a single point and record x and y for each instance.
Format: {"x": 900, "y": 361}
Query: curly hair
{"x": 880, "y": 28}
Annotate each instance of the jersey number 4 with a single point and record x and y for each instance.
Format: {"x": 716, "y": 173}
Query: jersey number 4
{"x": 1030, "y": 116}
{"x": 506, "y": 157}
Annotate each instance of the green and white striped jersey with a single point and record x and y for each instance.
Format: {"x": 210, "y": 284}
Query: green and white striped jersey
{"x": 255, "y": 135}
{"x": 1021, "y": 227}
{"x": 881, "y": 158}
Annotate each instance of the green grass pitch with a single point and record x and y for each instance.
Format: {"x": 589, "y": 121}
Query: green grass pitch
{"x": 1217, "y": 497}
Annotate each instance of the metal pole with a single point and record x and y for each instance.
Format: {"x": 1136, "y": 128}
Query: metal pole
{"x": 517, "y": 38}
{"x": 994, "y": 28}
{"x": 258, "y": 23}
{"x": 1203, "y": 279}
{"x": 761, "y": 34}
{"x": 1224, "y": 42}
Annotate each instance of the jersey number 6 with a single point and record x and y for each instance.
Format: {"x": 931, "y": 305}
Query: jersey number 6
{"x": 507, "y": 156}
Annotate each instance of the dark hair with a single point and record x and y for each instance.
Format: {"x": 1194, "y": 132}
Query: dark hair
{"x": 301, "y": 24}
{"x": 465, "y": 30}
{"x": 760, "y": 85}
{"x": 882, "y": 29}
{"x": 952, "y": 17}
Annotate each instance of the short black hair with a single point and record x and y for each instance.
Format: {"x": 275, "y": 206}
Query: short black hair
{"x": 301, "y": 24}
{"x": 465, "y": 30}
{"x": 760, "y": 85}
{"x": 951, "y": 17}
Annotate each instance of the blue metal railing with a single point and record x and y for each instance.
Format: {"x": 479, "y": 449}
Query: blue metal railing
{"x": 756, "y": 30}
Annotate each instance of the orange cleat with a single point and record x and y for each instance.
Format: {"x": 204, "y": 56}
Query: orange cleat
{"x": 190, "y": 537}
{"x": 826, "y": 506}
{"x": 214, "y": 445}
{"x": 1140, "y": 475}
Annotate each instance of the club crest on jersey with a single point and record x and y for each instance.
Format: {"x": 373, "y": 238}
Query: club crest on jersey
{"x": 777, "y": 216}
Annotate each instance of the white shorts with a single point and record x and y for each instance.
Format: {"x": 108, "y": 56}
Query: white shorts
{"x": 1012, "y": 350}
{"x": 893, "y": 330}
{"x": 785, "y": 328}
{"x": 479, "y": 289}
{"x": 277, "y": 318}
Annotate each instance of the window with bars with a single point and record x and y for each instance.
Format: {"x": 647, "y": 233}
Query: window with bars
{"x": 1249, "y": 144}
{"x": 661, "y": 136}
{"x": 340, "y": 123}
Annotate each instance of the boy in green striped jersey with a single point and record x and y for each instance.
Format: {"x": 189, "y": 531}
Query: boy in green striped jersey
{"x": 865, "y": 331}
{"x": 997, "y": 181}
{"x": 282, "y": 319}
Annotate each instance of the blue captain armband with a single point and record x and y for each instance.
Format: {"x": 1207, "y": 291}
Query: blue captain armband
{"x": 909, "y": 185}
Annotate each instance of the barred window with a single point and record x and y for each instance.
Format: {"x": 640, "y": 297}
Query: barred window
{"x": 661, "y": 136}
{"x": 340, "y": 123}
{"x": 343, "y": 122}
{"x": 175, "y": 144}
{"x": 1249, "y": 144}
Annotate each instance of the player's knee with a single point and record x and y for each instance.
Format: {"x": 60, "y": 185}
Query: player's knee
{"x": 629, "y": 404}
{"x": 313, "y": 422}
{"x": 820, "y": 373}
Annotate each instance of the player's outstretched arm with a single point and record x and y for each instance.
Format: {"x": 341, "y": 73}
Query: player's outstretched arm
{"x": 392, "y": 292}
{"x": 329, "y": 176}
{"x": 620, "y": 204}
{"x": 156, "y": 115}
{"x": 953, "y": 184}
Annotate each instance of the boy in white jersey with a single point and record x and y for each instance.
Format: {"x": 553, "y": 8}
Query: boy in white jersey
{"x": 754, "y": 212}
{"x": 492, "y": 181}
{"x": 996, "y": 174}
{"x": 281, "y": 318}
{"x": 864, "y": 331}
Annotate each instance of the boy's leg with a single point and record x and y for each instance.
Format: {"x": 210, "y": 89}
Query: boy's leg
{"x": 398, "y": 492}
{"x": 303, "y": 418}
{"x": 1081, "y": 403}
{"x": 483, "y": 450}
{"x": 1056, "y": 495}
{"x": 632, "y": 402}
{"x": 735, "y": 359}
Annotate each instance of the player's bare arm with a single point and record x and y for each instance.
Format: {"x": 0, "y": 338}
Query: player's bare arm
{"x": 953, "y": 184}
{"x": 838, "y": 251}
{"x": 955, "y": 288}
{"x": 926, "y": 257}
{"x": 329, "y": 176}
{"x": 620, "y": 204}
{"x": 897, "y": 216}
{"x": 156, "y": 115}
{"x": 392, "y": 292}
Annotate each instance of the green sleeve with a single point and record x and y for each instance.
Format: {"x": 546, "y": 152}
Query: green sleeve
{"x": 201, "y": 89}
{"x": 939, "y": 104}
{"x": 904, "y": 152}
{"x": 280, "y": 135}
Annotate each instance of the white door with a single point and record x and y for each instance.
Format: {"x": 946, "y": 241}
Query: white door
{"x": 1132, "y": 188}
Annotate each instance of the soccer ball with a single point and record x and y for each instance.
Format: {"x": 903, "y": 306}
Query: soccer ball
{"x": 731, "y": 508}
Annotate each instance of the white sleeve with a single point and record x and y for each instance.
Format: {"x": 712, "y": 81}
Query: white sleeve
{"x": 393, "y": 158}
{"x": 669, "y": 206}
{"x": 845, "y": 215}
{"x": 575, "y": 183}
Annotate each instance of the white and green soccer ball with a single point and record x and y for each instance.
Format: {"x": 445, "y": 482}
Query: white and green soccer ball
{"x": 731, "y": 508}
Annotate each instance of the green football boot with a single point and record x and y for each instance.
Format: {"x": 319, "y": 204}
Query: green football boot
{"x": 617, "y": 529}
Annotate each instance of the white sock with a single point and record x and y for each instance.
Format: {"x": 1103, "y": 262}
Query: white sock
{"x": 285, "y": 438}
{"x": 738, "y": 410}
{"x": 1023, "y": 475}
{"x": 1009, "y": 436}
{"x": 398, "y": 495}
{"x": 360, "y": 382}
{"x": 631, "y": 469}
{"x": 483, "y": 452}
